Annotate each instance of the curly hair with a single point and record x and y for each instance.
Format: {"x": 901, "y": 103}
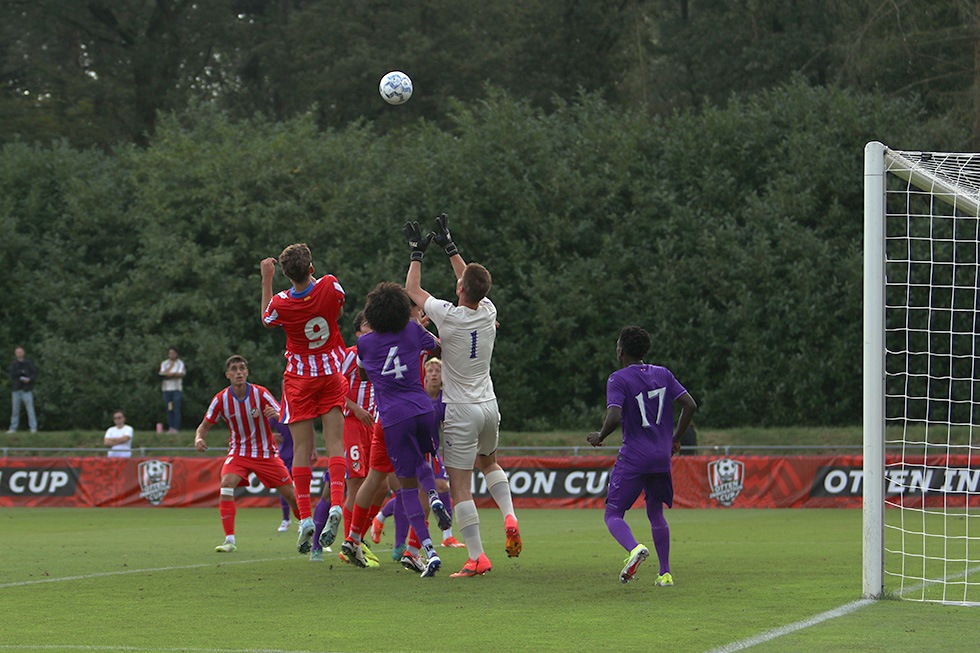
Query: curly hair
{"x": 295, "y": 261}
{"x": 388, "y": 308}
{"x": 634, "y": 341}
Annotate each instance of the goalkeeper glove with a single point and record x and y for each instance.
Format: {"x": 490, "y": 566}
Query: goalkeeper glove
{"x": 442, "y": 237}
{"x": 416, "y": 241}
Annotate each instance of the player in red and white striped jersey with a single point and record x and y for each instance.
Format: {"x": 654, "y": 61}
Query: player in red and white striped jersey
{"x": 246, "y": 408}
{"x": 313, "y": 385}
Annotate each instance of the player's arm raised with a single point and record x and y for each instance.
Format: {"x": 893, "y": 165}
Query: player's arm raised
{"x": 413, "y": 281}
{"x": 268, "y": 269}
{"x": 444, "y": 239}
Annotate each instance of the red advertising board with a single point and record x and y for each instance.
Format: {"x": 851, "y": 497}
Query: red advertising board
{"x": 536, "y": 482}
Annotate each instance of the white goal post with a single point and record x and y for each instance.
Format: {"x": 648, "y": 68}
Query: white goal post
{"x": 921, "y": 475}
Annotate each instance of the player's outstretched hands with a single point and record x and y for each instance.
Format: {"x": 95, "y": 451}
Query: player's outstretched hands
{"x": 442, "y": 236}
{"x": 416, "y": 241}
{"x": 594, "y": 439}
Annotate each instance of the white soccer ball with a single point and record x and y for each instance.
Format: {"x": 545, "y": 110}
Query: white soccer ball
{"x": 396, "y": 87}
{"x": 726, "y": 467}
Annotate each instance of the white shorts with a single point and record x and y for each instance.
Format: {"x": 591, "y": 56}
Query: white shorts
{"x": 468, "y": 430}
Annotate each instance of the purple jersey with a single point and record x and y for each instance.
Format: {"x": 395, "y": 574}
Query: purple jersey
{"x": 393, "y": 365}
{"x": 439, "y": 417}
{"x": 286, "y": 448}
{"x": 646, "y": 395}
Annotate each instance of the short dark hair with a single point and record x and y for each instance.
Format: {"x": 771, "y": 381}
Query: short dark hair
{"x": 357, "y": 321}
{"x": 476, "y": 282}
{"x": 235, "y": 358}
{"x": 295, "y": 261}
{"x": 634, "y": 341}
{"x": 388, "y": 308}
{"x": 176, "y": 351}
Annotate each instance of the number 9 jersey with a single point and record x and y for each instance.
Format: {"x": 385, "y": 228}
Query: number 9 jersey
{"x": 314, "y": 346}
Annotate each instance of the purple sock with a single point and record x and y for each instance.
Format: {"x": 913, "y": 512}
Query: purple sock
{"x": 446, "y": 501}
{"x": 620, "y": 530}
{"x": 661, "y": 535}
{"x": 286, "y": 510}
{"x": 416, "y": 517}
{"x": 389, "y": 508}
{"x": 320, "y": 514}
{"x": 401, "y": 521}
{"x": 427, "y": 480}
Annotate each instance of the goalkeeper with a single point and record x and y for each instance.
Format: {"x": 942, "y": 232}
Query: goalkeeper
{"x": 641, "y": 397}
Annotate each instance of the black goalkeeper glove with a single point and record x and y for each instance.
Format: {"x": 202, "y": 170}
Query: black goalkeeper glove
{"x": 442, "y": 237}
{"x": 416, "y": 241}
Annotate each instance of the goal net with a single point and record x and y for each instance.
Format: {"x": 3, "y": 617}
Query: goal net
{"x": 922, "y": 376}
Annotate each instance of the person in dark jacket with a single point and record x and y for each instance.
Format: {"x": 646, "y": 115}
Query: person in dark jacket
{"x": 22, "y": 377}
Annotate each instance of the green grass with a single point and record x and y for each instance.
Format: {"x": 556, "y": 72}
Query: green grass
{"x": 741, "y": 440}
{"x": 147, "y": 579}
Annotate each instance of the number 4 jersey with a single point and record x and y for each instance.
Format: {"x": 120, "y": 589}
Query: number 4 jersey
{"x": 393, "y": 366}
{"x": 646, "y": 395}
{"x": 314, "y": 346}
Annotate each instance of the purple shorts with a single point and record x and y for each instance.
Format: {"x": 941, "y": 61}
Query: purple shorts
{"x": 625, "y": 487}
{"x": 407, "y": 442}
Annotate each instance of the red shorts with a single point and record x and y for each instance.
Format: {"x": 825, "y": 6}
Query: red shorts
{"x": 306, "y": 397}
{"x": 379, "y": 451}
{"x": 357, "y": 446}
{"x": 271, "y": 471}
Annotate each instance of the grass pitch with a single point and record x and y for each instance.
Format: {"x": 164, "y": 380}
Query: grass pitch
{"x": 147, "y": 579}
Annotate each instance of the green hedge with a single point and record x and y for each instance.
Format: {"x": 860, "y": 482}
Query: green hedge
{"x": 733, "y": 234}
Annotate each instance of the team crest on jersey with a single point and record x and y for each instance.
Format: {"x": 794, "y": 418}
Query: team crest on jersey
{"x": 726, "y": 477}
{"x": 155, "y": 476}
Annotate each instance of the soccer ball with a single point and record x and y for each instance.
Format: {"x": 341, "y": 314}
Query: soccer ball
{"x": 396, "y": 87}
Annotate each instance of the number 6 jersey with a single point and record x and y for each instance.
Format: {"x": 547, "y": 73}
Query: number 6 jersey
{"x": 314, "y": 346}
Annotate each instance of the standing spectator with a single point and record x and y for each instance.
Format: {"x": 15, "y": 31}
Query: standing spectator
{"x": 172, "y": 370}
{"x": 119, "y": 437}
{"x": 22, "y": 376}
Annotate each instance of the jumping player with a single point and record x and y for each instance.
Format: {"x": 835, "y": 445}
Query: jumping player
{"x": 641, "y": 397}
{"x": 389, "y": 356}
{"x": 246, "y": 408}
{"x": 467, "y": 333}
{"x": 313, "y": 385}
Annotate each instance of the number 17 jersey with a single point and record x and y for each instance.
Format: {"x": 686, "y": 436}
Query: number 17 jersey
{"x": 314, "y": 345}
{"x": 646, "y": 395}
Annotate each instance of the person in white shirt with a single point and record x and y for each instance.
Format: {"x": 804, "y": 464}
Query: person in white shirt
{"x": 119, "y": 437}
{"x": 467, "y": 332}
{"x": 172, "y": 370}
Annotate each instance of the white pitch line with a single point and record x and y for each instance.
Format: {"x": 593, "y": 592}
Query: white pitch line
{"x": 770, "y": 635}
{"x": 141, "y": 571}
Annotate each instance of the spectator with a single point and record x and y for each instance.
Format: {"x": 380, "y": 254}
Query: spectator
{"x": 22, "y": 376}
{"x": 172, "y": 370}
{"x": 119, "y": 437}
{"x": 689, "y": 441}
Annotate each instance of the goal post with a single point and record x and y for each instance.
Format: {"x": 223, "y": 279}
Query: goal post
{"x": 921, "y": 463}
{"x": 873, "y": 479}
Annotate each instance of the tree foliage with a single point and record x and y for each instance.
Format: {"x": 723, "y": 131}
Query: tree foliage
{"x": 732, "y": 233}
